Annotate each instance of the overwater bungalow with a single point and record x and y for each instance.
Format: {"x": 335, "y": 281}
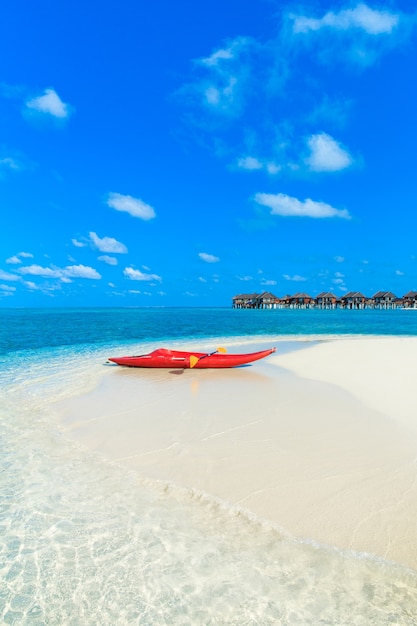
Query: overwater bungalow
{"x": 245, "y": 301}
{"x": 384, "y": 300}
{"x": 301, "y": 301}
{"x": 284, "y": 302}
{"x": 410, "y": 300}
{"x": 353, "y": 300}
{"x": 326, "y": 300}
{"x": 265, "y": 300}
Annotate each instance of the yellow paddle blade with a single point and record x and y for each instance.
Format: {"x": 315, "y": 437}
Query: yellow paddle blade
{"x": 193, "y": 360}
{"x": 223, "y": 350}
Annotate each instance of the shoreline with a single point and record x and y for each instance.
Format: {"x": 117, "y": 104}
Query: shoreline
{"x": 294, "y": 439}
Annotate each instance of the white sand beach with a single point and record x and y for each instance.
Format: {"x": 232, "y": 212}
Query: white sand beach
{"x": 321, "y": 441}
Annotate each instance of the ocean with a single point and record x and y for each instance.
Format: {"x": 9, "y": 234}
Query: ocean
{"x": 84, "y": 541}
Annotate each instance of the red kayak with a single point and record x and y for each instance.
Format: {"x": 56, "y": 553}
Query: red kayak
{"x": 183, "y": 360}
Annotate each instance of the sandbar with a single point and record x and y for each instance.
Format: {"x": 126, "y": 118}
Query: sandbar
{"x": 319, "y": 441}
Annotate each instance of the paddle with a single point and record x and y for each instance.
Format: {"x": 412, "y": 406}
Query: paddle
{"x": 195, "y": 359}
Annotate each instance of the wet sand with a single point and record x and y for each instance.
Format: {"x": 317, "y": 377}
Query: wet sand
{"x": 321, "y": 441}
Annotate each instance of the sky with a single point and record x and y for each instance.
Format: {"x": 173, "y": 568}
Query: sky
{"x": 180, "y": 153}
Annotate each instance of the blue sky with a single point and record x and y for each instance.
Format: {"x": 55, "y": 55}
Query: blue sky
{"x": 179, "y": 153}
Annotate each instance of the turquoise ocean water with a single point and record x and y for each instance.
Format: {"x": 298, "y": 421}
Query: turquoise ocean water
{"x": 86, "y": 542}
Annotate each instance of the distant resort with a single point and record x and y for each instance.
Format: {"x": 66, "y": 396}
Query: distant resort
{"x": 326, "y": 300}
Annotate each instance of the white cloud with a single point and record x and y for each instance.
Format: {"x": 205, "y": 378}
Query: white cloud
{"x": 249, "y": 163}
{"x": 359, "y": 34}
{"x": 133, "y": 274}
{"x": 232, "y": 52}
{"x": 81, "y": 271}
{"x": 339, "y": 275}
{"x": 8, "y": 276}
{"x": 272, "y": 168}
{"x": 17, "y": 258}
{"x": 222, "y": 78}
{"x": 362, "y": 17}
{"x": 281, "y": 204}
{"x": 64, "y": 274}
{"x": 208, "y": 258}
{"x": 107, "y": 244}
{"x": 212, "y": 95}
{"x": 202, "y": 280}
{"x": 224, "y": 54}
{"x": 9, "y": 163}
{"x": 244, "y": 278}
{"x": 134, "y": 206}
{"x": 338, "y": 281}
{"x": 38, "y": 270}
{"x": 327, "y": 154}
{"x": 296, "y": 278}
{"x": 339, "y": 259}
{"x": 8, "y": 288}
{"x": 268, "y": 283}
{"x": 399, "y": 273}
{"x": 110, "y": 260}
{"x": 13, "y": 260}
{"x": 50, "y": 103}
{"x": 78, "y": 244}
{"x": 252, "y": 164}
{"x": 221, "y": 96}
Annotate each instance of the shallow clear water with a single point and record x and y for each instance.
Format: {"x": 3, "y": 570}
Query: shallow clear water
{"x": 83, "y": 541}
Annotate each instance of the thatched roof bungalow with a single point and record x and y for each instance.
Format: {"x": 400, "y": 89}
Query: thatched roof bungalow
{"x": 265, "y": 300}
{"x": 410, "y": 300}
{"x": 353, "y": 300}
{"x": 245, "y": 301}
{"x": 326, "y": 300}
{"x": 301, "y": 300}
{"x": 384, "y": 300}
